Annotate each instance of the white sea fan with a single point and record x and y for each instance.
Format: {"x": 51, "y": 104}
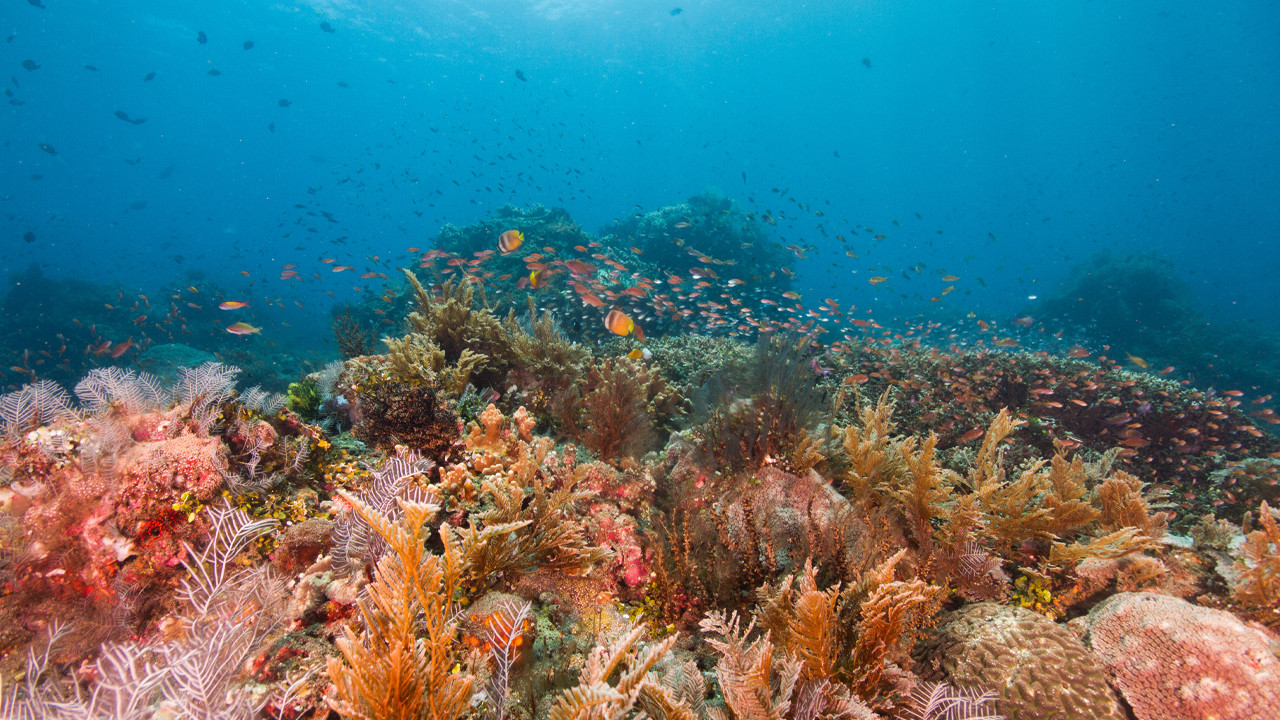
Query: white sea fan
{"x": 132, "y": 391}
{"x": 266, "y": 403}
{"x": 355, "y": 543}
{"x": 940, "y": 701}
{"x": 204, "y": 389}
{"x": 32, "y": 406}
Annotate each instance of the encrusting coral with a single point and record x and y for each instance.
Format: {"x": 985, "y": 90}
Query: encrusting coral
{"x": 1172, "y": 659}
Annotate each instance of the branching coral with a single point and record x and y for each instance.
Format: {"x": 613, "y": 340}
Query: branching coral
{"x": 403, "y": 667}
{"x": 451, "y": 335}
{"x": 616, "y": 420}
{"x": 1259, "y": 583}
{"x": 776, "y": 406}
{"x": 596, "y": 699}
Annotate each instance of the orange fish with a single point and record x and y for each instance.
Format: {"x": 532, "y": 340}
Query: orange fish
{"x": 535, "y": 279}
{"x": 878, "y": 279}
{"x": 243, "y": 328}
{"x": 233, "y": 305}
{"x": 972, "y": 435}
{"x": 619, "y": 323}
{"x": 510, "y": 241}
{"x": 577, "y": 267}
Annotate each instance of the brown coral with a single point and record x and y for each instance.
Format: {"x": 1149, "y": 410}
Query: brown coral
{"x": 1039, "y": 669}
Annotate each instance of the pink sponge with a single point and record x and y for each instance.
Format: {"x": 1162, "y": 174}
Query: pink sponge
{"x": 1171, "y": 659}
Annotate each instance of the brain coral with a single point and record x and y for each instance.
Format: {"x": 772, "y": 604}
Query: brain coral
{"x": 1038, "y": 667}
{"x": 1172, "y": 659}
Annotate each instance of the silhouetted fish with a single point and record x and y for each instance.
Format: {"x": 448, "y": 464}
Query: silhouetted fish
{"x": 150, "y": 76}
{"x": 125, "y": 117}
{"x": 91, "y": 68}
{"x": 284, "y": 102}
{"x": 202, "y": 38}
{"x": 248, "y": 44}
{"x": 520, "y": 75}
{"x": 676, "y": 11}
{"x": 30, "y": 65}
{"x": 866, "y": 63}
{"x": 49, "y": 148}
{"x": 215, "y": 72}
{"x": 326, "y": 27}
{"x": 165, "y": 173}
{"x": 29, "y": 236}
{"x": 36, "y": 3}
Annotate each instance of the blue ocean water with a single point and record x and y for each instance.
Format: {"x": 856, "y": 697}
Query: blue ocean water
{"x": 1003, "y": 141}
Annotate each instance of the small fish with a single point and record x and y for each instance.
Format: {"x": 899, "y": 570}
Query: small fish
{"x": 214, "y": 72}
{"x": 248, "y": 45}
{"x": 122, "y": 348}
{"x": 520, "y": 76}
{"x": 243, "y": 328}
{"x": 202, "y": 38}
{"x": 1024, "y": 321}
{"x": 48, "y": 148}
{"x": 29, "y": 236}
{"x": 30, "y": 65}
{"x": 791, "y": 295}
{"x": 949, "y": 278}
{"x": 326, "y": 27}
{"x": 877, "y": 279}
{"x": 535, "y": 279}
{"x": 284, "y": 102}
{"x": 510, "y": 241}
{"x": 150, "y": 76}
{"x": 972, "y": 435}
{"x": 1077, "y": 352}
{"x": 233, "y": 305}
{"x": 1137, "y": 361}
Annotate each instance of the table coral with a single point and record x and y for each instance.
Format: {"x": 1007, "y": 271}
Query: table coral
{"x": 1172, "y": 659}
{"x": 1037, "y": 666}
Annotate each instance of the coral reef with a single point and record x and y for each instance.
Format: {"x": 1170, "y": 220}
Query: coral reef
{"x": 515, "y": 529}
{"x": 1163, "y": 432}
{"x": 1170, "y": 658}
